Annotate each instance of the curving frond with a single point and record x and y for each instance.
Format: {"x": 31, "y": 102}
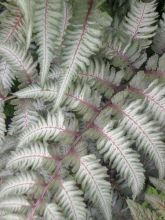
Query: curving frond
{"x": 145, "y": 131}
{"x": 101, "y": 75}
{"x": 6, "y": 74}
{"x": 24, "y": 116}
{"x": 82, "y": 99}
{"x": 52, "y": 212}
{"x": 71, "y": 202}
{"x": 27, "y": 7}
{"x": 47, "y": 129}
{"x": 140, "y": 213}
{"x": 22, "y": 183}
{"x": 92, "y": 176}
{"x": 48, "y": 92}
{"x": 141, "y": 20}
{"x": 116, "y": 148}
{"x": 37, "y": 156}
{"x": 82, "y": 39}
{"x": 12, "y": 25}
{"x": 46, "y": 26}
{"x": 20, "y": 61}
{"x": 125, "y": 54}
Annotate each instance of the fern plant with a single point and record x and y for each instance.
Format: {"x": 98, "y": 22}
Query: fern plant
{"x": 88, "y": 92}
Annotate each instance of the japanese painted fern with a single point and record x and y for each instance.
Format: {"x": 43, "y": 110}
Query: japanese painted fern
{"x": 88, "y": 92}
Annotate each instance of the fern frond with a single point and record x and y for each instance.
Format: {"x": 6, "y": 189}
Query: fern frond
{"x": 82, "y": 99}
{"x": 12, "y": 25}
{"x": 91, "y": 175}
{"x": 21, "y": 62}
{"x": 82, "y": 39}
{"x": 140, "y": 21}
{"x": 159, "y": 41}
{"x": 37, "y": 156}
{"x": 116, "y": 148}
{"x": 6, "y": 74}
{"x": 47, "y": 129}
{"x": 27, "y": 7}
{"x": 125, "y": 54}
{"x": 145, "y": 131}
{"x": 46, "y": 27}
{"x": 24, "y": 116}
{"x": 52, "y": 212}
{"x": 100, "y": 75}
{"x": 48, "y": 92}
{"x": 22, "y": 183}
{"x": 15, "y": 204}
{"x": 71, "y": 202}
{"x": 140, "y": 213}
{"x": 153, "y": 94}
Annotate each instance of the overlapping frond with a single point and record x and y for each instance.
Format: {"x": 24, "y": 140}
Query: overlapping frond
{"x": 36, "y": 156}
{"x": 48, "y": 92}
{"x": 24, "y": 116}
{"x": 124, "y": 53}
{"x": 92, "y": 176}
{"x": 116, "y": 148}
{"x": 20, "y": 61}
{"x": 47, "y": 129}
{"x": 82, "y": 39}
{"x": 99, "y": 74}
{"x": 27, "y": 7}
{"x": 13, "y": 217}
{"x": 47, "y": 27}
{"x": 12, "y": 25}
{"x": 140, "y": 21}
{"x": 145, "y": 131}
{"x": 71, "y": 202}
{"x": 6, "y": 74}
{"x": 22, "y": 183}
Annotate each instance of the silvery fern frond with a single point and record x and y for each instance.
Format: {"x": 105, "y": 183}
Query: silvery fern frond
{"x": 20, "y": 61}
{"x": 83, "y": 27}
{"x": 46, "y": 26}
{"x": 36, "y": 156}
{"x": 47, "y": 93}
{"x": 141, "y": 20}
{"x": 71, "y": 202}
{"x": 22, "y": 183}
{"x": 92, "y": 176}
{"x": 25, "y": 114}
{"x": 147, "y": 132}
